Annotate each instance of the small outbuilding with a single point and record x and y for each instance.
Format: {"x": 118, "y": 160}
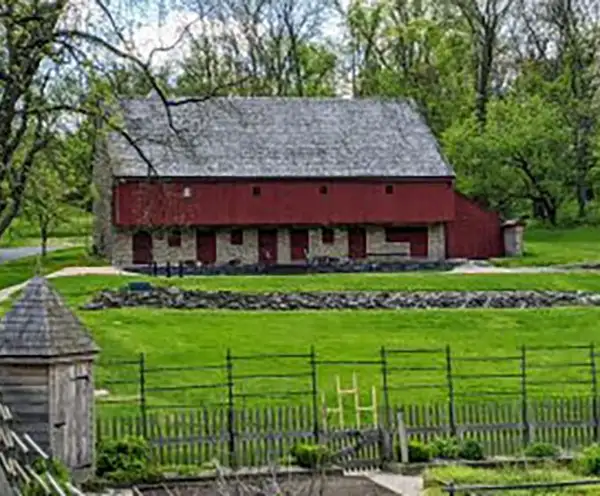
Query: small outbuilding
{"x": 46, "y": 375}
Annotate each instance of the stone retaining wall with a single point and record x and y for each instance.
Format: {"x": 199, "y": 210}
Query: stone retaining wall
{"x": 172, "y": 297}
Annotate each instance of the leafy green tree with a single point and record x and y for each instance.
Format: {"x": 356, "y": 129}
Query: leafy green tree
{"x": 516, "y": 165}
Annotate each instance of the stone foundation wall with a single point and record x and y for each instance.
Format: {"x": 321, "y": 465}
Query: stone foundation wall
{"x": 337, "y": 249}
{"x": 247, "y": 252}
{"x": 436, "y": 249}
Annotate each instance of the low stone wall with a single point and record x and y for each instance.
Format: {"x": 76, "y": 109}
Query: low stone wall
{"x": 172, "y": 297}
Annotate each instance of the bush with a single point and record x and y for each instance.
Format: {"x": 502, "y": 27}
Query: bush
{"x": 125, "y": 460}
{"x": 311, "y": 455}
{"x": 471, "y": 450}
{"x": 418, "y": 452}
{"x": 588, "y": 462}
{"x": 542, "y": 450}
{"x": 445, "y": 448}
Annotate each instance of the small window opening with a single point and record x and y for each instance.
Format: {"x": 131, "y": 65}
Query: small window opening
{"x": 389, "y": 189}
{"x": 327, "y": 236}
{"x": 256, "y": 191}
{"x": 323, "y": 190}
{"x": 237, "y": 237}
{"x": 174, "y": 239}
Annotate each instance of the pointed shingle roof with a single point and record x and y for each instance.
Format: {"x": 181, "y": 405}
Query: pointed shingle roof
{"x": 40, "y": 325}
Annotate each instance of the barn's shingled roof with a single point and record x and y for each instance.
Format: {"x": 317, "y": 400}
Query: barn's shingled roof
{"x": 40, "y": 325}
{"x": 278, "y": 137}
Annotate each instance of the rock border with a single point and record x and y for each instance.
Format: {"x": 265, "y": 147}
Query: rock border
{"x": 176, "y": 298}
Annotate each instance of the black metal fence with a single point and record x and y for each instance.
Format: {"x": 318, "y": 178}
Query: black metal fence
{"x": 400, "y": 376}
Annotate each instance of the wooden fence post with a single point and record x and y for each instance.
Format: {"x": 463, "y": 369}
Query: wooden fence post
{"x": 402, "y": 437}
{"x": 595, "y": 415}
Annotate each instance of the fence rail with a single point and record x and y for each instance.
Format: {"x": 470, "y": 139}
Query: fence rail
{"x": 17, "y": 455}
{"x": 438, "y": 375}
{"x": 262, "y": 435}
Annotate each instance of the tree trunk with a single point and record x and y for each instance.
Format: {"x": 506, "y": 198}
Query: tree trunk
{"x": 44, "y": 236}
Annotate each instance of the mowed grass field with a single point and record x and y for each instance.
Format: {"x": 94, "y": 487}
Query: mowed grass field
{"x": 178, "y": 345}
{"x": 543, "y": 247}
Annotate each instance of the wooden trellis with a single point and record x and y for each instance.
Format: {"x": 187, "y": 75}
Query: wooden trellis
{"x": 358, "y": 408}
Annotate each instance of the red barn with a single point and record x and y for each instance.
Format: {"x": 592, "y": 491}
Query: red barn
{"x": 280, "y": 180}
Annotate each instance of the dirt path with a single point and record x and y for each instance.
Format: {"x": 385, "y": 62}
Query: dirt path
{"x": 68, "y": 272}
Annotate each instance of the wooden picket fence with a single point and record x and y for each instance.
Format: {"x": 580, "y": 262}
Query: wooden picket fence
{"x": 264, "y": 435}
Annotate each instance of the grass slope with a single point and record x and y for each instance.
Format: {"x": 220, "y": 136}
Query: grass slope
{"x": 186, "y": 340}
{"x": 16, "y": 271}
{"x": 81, "y": 288}
{"x": 74, "y": 229}
{"x": 557, "y": 246}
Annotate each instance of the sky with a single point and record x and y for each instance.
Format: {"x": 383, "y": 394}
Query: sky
{"x": 152, "y": 34}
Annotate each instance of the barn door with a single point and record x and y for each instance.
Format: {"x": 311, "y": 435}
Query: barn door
{"x": 298, "y": 244}
{"x": 206, "y": 247}
{"x": 357, "y": 242}
{"x": 267, "y": 246}
{"x": 142, "y": 248}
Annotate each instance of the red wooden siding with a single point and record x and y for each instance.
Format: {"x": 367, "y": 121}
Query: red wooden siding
{"x": 357, "y": 242}
{"x": 267, "y": 246}
{"x": 141, "y": 248}
{"x": 206, "y": 247}
{"x": 474, "y": 233}
{"x": 298, "y": 244}
{"x": 283, "y": 202}
{"x": 417, "y": 237}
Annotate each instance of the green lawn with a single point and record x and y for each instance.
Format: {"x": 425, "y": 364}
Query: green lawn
{"x": 75, "y": 229}
{"x": 81, "y": 288}
{"x": 17, "y": 271}
{"x": 436, "y": 478}
{"x": 186, "y": 340}
{"x": 558, "y": 246}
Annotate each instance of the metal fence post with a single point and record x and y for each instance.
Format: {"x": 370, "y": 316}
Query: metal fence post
{"x": 315, "y": 393}
{"x": 594, "y": 393}
{"x": 524, "y": 402}
{"x": 451, "y": 399}
{"x": 231, "y": 409}
{"x": 386, "y": 393}
{"x": 143, "y": 404}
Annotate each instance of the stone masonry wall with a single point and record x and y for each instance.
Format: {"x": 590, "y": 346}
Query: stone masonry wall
{"x": 376, "y": 243}
{"x": 247, "y": 252}
{"x": 436, "y": 249}
{"x": 337, "y": 249}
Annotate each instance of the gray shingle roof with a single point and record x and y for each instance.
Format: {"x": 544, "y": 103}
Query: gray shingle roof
{"x": 40, "y": 325}
{"x": 279, "y": 137}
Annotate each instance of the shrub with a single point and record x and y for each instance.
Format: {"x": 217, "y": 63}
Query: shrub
{"x": 445, "y": 448}
{"x": 542, "y": 450}
{"x": 311, "y": 455}
{"x": 471, "y": 450}
{"x": 588, "y": 462}
{"x": 125, "y": 460}
{"x": 418, "y": 452}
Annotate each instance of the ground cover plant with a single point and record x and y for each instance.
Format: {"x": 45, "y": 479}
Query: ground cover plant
{"x": 435, "y": 478}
